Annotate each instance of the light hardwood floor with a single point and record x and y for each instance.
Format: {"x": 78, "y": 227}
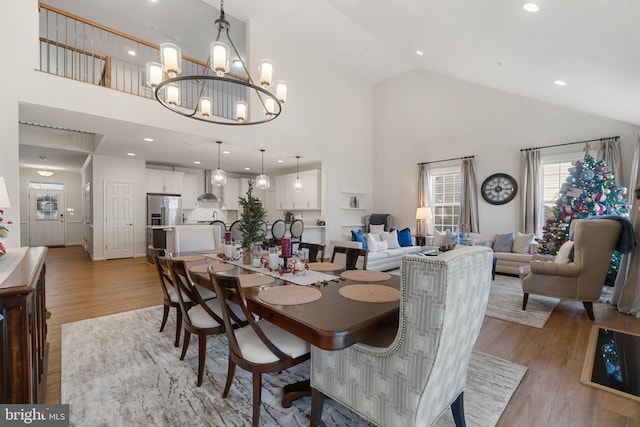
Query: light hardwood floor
{"x": 549, "y": 395}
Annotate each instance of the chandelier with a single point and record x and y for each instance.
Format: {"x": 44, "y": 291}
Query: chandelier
{"x": 44, "y": 171}
{"x": 216, "y": 95}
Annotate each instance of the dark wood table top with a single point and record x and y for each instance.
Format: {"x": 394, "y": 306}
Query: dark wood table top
{"x": 332, "y": 322}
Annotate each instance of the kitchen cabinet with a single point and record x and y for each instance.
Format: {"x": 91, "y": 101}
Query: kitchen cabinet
{"x": 307, "y": 199}
{"x": 189, "y": 191}
{"x": 164, "y": 182}
{"x": 230, "y": 194}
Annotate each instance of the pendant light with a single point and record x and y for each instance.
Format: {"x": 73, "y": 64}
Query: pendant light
{"x": 297, "y": 185}
{"x": 219, "y": 177}
{"x": 262, "y": 180}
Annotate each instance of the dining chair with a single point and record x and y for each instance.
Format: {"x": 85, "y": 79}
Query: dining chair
{"x": 296, "y": 229}
{"x": 196, "y": 237}
{"x": 314, "y": 250}
{"x": 200, "y": 317}
{"x": 221, "y": 224}
{"x": 236, "y": 234}
{"x": 409, "y": 375}
{"x": 351, "y": 255}
{"x": 260, "y": 346}
{"x": 168, "y": 291}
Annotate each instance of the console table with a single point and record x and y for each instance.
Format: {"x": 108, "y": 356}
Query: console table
{"x": 23, "y": 327}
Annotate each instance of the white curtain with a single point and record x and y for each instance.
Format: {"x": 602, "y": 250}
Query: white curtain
{"x": 626, "y": 293}
{"x": 609, "y": 151}
{"x": 531, "y": 199}
{"x": 469, "y": 197}
{"x": 424, "y": 227}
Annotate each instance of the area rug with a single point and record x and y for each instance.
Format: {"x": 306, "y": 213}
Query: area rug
{"x": 119, "y": 370}
{"x": 505, "y": 303}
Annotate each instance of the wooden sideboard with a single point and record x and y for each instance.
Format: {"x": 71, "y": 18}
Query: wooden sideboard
{"x": 23, "y": 330}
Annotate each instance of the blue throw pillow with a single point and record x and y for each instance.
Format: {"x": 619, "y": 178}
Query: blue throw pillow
{"x": 357, "y": 236}
{"x": 404, "y": 237}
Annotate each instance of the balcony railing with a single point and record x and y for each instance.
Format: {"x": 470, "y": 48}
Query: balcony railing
{"x": 79, "y": 49}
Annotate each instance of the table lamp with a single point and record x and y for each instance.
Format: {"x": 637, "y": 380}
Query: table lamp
{"x": 4, "y": 194}
{"x": 422, "y": 214}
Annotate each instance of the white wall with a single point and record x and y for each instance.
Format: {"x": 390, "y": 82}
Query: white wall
{"x": 422, "y": 116}
{"x": 73, "y": 199}
{"x": 110, "y": 169}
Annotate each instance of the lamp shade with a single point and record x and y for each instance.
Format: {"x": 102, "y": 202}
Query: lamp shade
{"x": 422, "y": 213}
{"x": 4, "y": 194}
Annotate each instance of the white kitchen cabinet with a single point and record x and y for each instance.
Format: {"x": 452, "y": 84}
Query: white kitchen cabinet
{"x": 230, "y": 193}
{"x": 307, "y": 199}
{"x": 164, "y": 182}
{"x": 189, "y": 191}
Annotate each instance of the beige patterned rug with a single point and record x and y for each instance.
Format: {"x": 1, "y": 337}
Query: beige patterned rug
{"x": 119, "y": 370}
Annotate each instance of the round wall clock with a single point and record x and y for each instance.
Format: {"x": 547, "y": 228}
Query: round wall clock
{"x": 499, "y": 189}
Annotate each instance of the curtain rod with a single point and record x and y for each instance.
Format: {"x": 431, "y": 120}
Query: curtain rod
{"x": 446, "y": 160}
{"x": 615, "y": 138}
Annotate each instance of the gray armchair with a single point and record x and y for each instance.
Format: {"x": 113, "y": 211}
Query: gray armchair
{"x": 410, "y": 375}
{"x": 582, "y": 278}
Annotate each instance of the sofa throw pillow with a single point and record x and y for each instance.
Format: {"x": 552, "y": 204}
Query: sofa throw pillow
{"x": 357, "y": 236}
{"x": 372, "y": 241}
{"x": 404, "y": 237}
{"x": 439, "y": 238}
{"x": 503, "y": 242}
{"x": 376, "y": 228}
{"x": 382, "y": 246}
{"x": 521, "y": 243}
{"x": 562, "y": 257}
{"x": 451, "y": 239}
{"x": 391, "y": 239}
{"x": 481, "y": 242}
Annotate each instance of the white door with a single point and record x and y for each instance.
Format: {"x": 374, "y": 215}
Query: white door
{"x": 118, "y": 220}
{"x": 46, "y": 217}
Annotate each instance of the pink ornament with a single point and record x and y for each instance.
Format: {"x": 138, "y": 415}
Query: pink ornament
{"x": 600, "y": 197}
{"x": 599, "y": 208}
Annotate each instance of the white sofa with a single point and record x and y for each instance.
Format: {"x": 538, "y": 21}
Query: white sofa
{"x": 388, "y": 259}
{"x": 507, "y": 262}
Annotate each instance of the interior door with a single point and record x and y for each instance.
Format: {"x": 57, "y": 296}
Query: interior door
{"x": 46, "y": 217}
{"x": 118, "y": 220}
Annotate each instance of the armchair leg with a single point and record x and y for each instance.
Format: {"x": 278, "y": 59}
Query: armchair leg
{"x": 317, "y": 402}
{"x": 525, "y": 299}
{"x": 588, "y": 305}
{"x": 457, "y": 409}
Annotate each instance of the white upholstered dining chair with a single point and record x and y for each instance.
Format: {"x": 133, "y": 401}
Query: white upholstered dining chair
{"x": 421, "y": 368}
{"x": 196, "y": 237}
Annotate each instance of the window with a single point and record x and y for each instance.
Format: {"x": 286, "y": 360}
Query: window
{"x": 45, "y": 186}
{"x": 446, "y": 186}
{"x": 553, "y": 176}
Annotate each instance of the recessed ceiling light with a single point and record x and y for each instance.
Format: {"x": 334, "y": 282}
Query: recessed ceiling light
{"x": 560, "y": 82}
{"x": 226, "y": 152}
{"x": 419, "y": 52}
{"x": 237, "y": 63}
{"x": 149, "y": 139}
{"x": 131, "y": 154}
{"x": 280, "y": 161}
{"x": 247, "y": 169}
{"x": 196, "y": 162}
{"x": 132, "y": 52}
{"x": 531, "y": 7}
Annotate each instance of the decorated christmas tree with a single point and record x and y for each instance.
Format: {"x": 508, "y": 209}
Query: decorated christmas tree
{"x": 589, "y": 190}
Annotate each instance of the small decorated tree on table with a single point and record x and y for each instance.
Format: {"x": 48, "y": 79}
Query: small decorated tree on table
{"x": 589, "y": 190}
{"x": 252, "y": 215}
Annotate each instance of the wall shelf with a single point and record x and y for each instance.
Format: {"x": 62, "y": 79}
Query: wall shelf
{"x": 352, "y": 225}
{"x": 347, "y": 208}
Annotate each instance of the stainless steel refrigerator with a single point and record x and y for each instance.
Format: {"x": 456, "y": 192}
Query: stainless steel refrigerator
{"x": 164, "y": 209}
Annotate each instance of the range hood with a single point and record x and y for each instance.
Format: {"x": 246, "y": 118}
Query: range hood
{"x": 208, "y": 195}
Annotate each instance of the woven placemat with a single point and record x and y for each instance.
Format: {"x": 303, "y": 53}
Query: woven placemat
{"x": 324, "y": 266}
{"x": 366, "y": 275}
{"x": 188, "y": 258}
{"x": 250, "y": 280}
{"x": 210, "y": 251}
{"x": 370, "y": 293}
{"x": 289, "y": 295}
{"x": 217, "y": 267}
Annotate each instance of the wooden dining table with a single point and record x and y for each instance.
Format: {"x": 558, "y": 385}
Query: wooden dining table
{"x": 332, "y": 322}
